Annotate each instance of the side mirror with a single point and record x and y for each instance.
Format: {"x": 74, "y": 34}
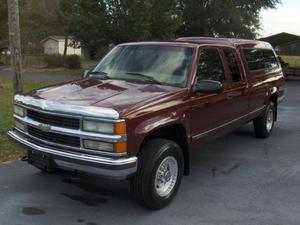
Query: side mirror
{"x": 85, "y": 73}
{"x": 208, "y": 86}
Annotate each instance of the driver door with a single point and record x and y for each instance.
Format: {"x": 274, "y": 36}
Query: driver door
{"x": 209, "y": 112}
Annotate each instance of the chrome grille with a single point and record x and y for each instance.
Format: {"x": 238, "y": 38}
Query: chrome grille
{"x": 54, "y": 137}
{"x": 54, "y": 120}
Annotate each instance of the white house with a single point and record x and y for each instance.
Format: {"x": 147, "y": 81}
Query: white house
{"x": 55, "y": 45}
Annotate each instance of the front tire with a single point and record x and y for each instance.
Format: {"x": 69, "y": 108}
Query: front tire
{"x": 263, "y": 125}
{"x": 159, "y": 173}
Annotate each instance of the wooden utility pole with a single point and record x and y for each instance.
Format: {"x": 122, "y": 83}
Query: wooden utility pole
{"x": 15, "y": 44}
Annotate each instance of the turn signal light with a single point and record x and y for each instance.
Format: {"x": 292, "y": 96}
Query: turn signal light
{"x": 120, "y": 128}
{"x": 120, "y": 147}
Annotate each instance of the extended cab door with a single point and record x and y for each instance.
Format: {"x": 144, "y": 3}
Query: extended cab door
{"x": 209, "y": 112}
{"x": 237, "y": 93}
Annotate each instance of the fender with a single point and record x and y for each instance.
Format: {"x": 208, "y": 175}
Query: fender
{"x": 161, "y": 121}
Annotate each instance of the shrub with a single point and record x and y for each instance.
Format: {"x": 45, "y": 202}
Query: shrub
{"x": 73, "y": 62}
{"x": 54, "y": 61}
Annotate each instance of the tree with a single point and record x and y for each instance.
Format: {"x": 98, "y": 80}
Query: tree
{"x": 165, "y": 19}
{"x": 3, "y": 23}
{"x": 15, "y": 44}
{"x": 230, "y": 18}
{"x": 39, "y": 19}
{"x": 89, "y": 22}
{"x": 97, "y": 23}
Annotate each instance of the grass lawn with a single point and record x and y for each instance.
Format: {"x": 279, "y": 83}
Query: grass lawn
{"x": 293, "y": 61}
{"x": 8, "y": 151}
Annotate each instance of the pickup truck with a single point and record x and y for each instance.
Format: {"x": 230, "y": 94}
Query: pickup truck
{"x": 140, "y": 113}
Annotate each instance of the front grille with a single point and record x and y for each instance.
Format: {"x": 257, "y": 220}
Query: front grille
{"x": 55, "y": 138}
{"x": 60, "y": 121}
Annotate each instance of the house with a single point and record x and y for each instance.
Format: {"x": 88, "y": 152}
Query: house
{"x": 55, "y": 45}
{"x": 285, "y": 43}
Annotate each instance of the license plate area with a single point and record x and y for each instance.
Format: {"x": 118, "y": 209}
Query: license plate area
{"x": 42, "y": 161}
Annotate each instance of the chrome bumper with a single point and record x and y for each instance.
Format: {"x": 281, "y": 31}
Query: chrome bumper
{"x": 281, "y": 99}
{"x": 116, "y": 168}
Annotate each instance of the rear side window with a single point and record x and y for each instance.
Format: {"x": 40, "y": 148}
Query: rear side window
{"x": 270, "y": 59}
{"x": 260, "y": 59}
{"x": 233, "y": 65}
{"x": 210, "y": 66}
{"x": 254, "y": 59}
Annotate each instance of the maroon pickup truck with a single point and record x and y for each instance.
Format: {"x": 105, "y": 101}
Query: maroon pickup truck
{"x": 139, "y": 113}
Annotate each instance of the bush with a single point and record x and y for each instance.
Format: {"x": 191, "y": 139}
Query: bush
{"x": 73, "y": 62}
{"x": 54, "y": 61}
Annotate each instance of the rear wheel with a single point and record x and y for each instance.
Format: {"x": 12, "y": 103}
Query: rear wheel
{"x": 159, "y": 173}
{"x": 264, "y": 125}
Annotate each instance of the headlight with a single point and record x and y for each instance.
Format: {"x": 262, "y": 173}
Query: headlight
{"x": 104, "y": 127}
{"x": 20, "y": 111}
{"x": 97, "y": 145}
{"x": 119, "y": 147}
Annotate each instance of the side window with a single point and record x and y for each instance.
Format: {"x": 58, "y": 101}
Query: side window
{"x": 233, "y": 65}
{"x": 260, "y": 59}
{"x": 210, "y": 66}
{"x": 270, "y": 59}
{"x": 254, "y": 59}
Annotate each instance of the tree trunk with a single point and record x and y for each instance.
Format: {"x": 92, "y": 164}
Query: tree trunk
{"x": 66, "y": 45}
{"x": 15, "y": 44}
{"x": 6, "y": 61}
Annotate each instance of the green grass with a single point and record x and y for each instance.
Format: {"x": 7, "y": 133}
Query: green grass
{"x": 293, "y": 61}
{"x": 8, "y": 151}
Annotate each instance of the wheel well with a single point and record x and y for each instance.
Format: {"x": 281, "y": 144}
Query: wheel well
{"x": 176, "y": 133}
{"x": 274, "y": 98}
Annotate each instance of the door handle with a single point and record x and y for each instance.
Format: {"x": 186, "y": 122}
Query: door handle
{"x": 229, "y": 95}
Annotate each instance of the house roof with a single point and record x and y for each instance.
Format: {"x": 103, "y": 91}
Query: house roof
{"x": 281, "y": 38}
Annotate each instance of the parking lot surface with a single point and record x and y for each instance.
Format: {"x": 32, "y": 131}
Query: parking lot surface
{"x": 236, "y": 179}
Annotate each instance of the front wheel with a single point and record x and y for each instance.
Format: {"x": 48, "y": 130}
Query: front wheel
{"x": 159, "y": 173}
{"x": 263, "y": 125}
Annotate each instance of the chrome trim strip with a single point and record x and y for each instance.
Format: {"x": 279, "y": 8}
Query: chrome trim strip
{"x": 76, "y": 156}
{"x": 91, "y": 111}
{"x": 198, "y": 136}
{"x": 77, "y": 133}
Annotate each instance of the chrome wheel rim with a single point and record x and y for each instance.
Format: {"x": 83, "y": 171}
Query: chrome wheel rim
{"x": 270, "y": 120}
{"x": 166, "y": 176}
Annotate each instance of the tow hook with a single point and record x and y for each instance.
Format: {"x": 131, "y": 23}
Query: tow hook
{"x": 24, "y": 158}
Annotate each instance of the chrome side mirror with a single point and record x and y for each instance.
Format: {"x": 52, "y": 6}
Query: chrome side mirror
{"x": 85, "y": 73}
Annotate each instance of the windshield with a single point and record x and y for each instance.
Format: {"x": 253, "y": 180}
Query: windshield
{"x": 161, "y": 64}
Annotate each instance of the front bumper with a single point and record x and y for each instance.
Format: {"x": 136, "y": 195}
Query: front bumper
{"x": 114, "y": 168}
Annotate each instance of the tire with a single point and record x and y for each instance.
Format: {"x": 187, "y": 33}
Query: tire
{"x": 158, "y": 159}
{"x": 263, "y": 125}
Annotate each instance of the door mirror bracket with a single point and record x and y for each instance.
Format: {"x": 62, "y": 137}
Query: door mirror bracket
{"x": 85, "y": 74}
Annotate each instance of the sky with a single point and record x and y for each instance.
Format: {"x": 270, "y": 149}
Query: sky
{"x": 285, "y": 18}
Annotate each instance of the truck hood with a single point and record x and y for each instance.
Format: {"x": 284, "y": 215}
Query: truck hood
{"x": 120, "y": 95}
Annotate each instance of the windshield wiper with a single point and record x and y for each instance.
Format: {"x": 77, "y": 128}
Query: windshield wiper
{"x": 148, "y": 78}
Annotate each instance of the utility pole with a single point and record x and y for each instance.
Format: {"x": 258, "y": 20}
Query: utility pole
{"x": 15, "y": 44}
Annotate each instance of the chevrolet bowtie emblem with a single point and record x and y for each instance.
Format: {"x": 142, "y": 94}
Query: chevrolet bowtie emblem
{"x": 44, "y": 128}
